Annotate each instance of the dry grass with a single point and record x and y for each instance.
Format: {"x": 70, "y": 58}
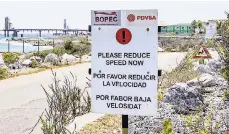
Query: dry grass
{"x": 182, "y": 73}
{"x": 106, "y": 125}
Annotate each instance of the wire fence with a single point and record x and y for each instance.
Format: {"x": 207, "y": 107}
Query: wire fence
{"x": 27, "y": 48}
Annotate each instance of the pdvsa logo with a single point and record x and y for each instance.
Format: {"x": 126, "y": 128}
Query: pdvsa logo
{"x": 105, "y": 16}
{"x": 131, "y": 17}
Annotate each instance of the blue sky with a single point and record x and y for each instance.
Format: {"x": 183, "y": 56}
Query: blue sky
{"x": 51, "y": 14}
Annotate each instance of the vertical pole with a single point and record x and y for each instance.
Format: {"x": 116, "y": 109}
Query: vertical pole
{"x": 23, "y": 46}
{"x": 40, "y": 33}
{"x": 38, "y": 45}
{"x": 124, "y": 124}
{"x": 8, "y": 34}
{"x": 53, "y": 42}
{"x": 8, "y": 45}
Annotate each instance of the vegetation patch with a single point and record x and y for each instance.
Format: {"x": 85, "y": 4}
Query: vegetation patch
{"x": 108, "y": 124}
{"x": 10, "y": 58}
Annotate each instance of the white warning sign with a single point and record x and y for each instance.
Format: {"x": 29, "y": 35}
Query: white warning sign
{"x": 124, "y": 70}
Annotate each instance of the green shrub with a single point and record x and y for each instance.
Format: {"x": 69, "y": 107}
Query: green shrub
{"x": 10, "y": 58}
{"x": 34, "y": 63}
{"x": 225, "y": 95}
{"x": 200, "y": 124}
{"x": 59, "y": 51}
{"x": 68, "y": 45}
{"x": 225, "y": 73}
{"x": 170, "y": 48}
{"x": 160, "y": 96}
{"x": 167, "y": 127}
{"x": 42, "y": 54}
{"x": 210, "y": 43}
{"x": 3, "y": 73}
{"x": 81, "y": 49}
{"x": 201, "y": 32}
{"x": 76, "y": 49}
{"x": 84, "y": 42}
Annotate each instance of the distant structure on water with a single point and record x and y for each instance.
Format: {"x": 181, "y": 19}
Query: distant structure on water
{"x": 65, "y": 24}
{"x": 65, "y": 31}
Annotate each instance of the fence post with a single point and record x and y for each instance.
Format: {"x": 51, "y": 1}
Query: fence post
{"x": 53, "y": 42}
{"x": 8, "y": 45}
{"x": 23, "y": 45}
{"x": 38, "y": 45}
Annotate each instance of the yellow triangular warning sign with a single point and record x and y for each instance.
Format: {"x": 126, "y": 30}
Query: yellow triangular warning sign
{"x": 202, "y": 53}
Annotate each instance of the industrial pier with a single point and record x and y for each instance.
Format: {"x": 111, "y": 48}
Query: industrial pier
{"x": 8, "y": 28}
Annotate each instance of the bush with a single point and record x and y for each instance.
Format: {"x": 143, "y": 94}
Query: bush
{"x": 68, "y": 45}
{"x": 65, "y": 102}
{"x": 225, "y": 73}
{"x": 170, "y": 48}
{"x": 201, "y": 32}
{"x": 84, "y": 42}
{"x": 167, "y": 127}
{"x": 10, "y": 58}
{"x": 59, "y": 51}
{"x": 81, "y": 49}
{"x": 210, "y": 43}
{"x": 3, "y": 73}
{"x": 202, "y": 122}
{"x": 42, "y": 54}
{"x": 33, "y": 64}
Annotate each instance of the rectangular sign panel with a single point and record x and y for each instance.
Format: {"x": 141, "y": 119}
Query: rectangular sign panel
{"x": 106, "y": 17}
{"x": 141, "y": 17}
{"x": 211, "y": 29}
{"x": 124, "y": 70}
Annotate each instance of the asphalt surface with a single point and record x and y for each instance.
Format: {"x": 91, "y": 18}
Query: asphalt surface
{"x": 22, "y": 99}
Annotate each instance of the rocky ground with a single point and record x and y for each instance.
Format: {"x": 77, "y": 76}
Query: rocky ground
{"x": 24, "y": 64}
{"x": 201, "y": 96}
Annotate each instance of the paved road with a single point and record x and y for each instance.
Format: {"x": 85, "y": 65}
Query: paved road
{"x": 22, "y": 99}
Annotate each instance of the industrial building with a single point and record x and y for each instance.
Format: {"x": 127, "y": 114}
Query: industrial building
{"x": 184, "y": 28}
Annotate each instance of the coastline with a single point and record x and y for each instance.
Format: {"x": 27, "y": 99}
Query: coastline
{"x": 18, "y": 47}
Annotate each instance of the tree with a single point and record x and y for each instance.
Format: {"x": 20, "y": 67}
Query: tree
{"x": 200, "y": 25}
{"x": 227, "y": 14}
{"x": 68, "y": 45}
{"x": 223, "y": 45}
{"x": 194, "y": 25}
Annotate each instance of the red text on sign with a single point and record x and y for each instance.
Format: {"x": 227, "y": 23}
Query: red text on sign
{"x": 146, "y": 18}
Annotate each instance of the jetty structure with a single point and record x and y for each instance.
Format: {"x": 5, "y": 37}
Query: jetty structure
{"x": 8, "y": 28}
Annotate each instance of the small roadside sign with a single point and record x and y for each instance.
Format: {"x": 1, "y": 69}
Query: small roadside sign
{"x": 202, "y": 53}
{"x": 124, "y": 68}
{"x": 211, "y": 29}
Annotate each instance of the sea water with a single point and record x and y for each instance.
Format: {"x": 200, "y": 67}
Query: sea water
{"x": 18, "y": 47}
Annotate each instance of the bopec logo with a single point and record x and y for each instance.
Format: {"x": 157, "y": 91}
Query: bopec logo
{"x": 131, "y": 17}
{"x": 107, "y": 16}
